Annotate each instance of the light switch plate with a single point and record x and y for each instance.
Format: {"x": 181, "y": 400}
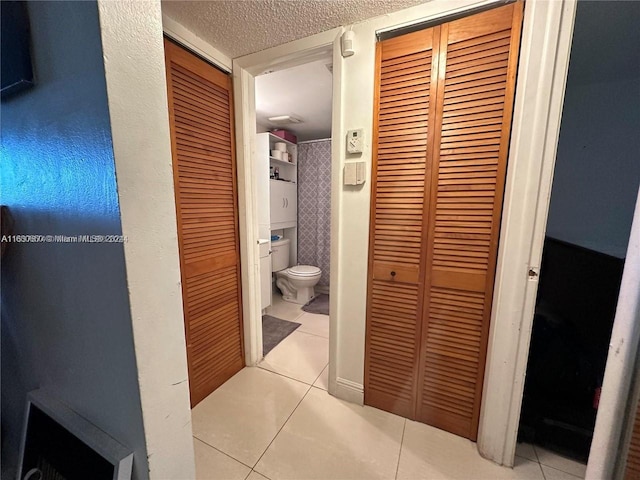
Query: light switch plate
{"x": 354, "y": 173}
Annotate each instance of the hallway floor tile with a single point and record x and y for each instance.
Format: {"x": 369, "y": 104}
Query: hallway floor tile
{"x": 243, "y": 416}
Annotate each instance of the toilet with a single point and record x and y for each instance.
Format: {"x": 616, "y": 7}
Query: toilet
{"x": 295, "y": 283}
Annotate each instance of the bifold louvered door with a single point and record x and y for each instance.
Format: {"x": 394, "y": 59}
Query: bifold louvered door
{"x": 406, "y": 91}
{"x": 201, "y": 120}
{"x": 444, "y": 210}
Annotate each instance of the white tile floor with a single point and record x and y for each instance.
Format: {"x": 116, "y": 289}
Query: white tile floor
{"x": 554, "y": 466}
{"x": 277, "y": 421}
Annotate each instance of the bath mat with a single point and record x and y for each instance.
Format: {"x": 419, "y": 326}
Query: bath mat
{"x": 274, "y": 330}
{"x": 319, "y": 304}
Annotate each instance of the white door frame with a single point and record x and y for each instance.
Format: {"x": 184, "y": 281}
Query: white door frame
{"x": 245, "y": 69}
{"x": 542, "y": 73}
{"x": 617, "y": 403}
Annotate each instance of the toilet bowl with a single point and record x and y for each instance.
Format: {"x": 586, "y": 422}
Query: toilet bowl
{"x": 295, "y": 283}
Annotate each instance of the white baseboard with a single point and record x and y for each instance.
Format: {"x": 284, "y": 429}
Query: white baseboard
{"x": 349, "y": 391}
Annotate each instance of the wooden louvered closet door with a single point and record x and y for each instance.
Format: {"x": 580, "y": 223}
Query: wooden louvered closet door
{"x": 201, "y": 120}
{"x": 406, "y": 90}
{"x": 477, "y": 67}
{"x": 448, "y": 300}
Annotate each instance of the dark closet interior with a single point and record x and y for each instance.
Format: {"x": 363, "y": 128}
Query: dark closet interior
{"x": 575, "y": 308}
{"x": 595, "y": 186}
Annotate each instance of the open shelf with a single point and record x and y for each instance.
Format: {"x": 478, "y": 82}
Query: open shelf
{"x": 280, "y": 162}
{"x": 275, "y": 138}
{"x": 279, "y": 180}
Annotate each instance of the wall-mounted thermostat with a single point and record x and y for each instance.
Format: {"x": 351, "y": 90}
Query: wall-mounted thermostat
{"x": 355, "y": 141}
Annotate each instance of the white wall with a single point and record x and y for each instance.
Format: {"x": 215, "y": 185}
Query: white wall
{"x": 137, "y": 93}
{"x": 66, "y": 322}
{"x": 598, "y": 166}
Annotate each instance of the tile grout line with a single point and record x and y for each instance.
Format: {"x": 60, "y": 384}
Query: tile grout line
{"x": 226, "y": 454}
{"x": 309, "y": 333}
{"x": 283, "y": 425}
{"x": 544, "y": 477}
{"x": 404, "y": 427}
{"x": 535, "y": 452}
{"x": 320, "y": 374}
{"x": 577, "y": 477}
{"x": 252, "y": 470}
{"x": 551, "y": 466}
{"x": 285, "y": 376}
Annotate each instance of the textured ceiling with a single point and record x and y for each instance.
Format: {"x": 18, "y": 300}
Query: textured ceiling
{"x": 304, "y": 92}
{"x": 240, "y": 27}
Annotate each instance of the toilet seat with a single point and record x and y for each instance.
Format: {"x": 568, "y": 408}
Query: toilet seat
{"x": 304, "y": 271}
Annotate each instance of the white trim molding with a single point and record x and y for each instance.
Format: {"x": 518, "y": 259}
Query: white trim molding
{"x": 245, "y": 130}
{"x": 542, "y": 73}
{"x": 190, "y": 40}
{"x": 244, "y": 71}
{"x": 619, "y": 373}
{"x": 350, "y": 391}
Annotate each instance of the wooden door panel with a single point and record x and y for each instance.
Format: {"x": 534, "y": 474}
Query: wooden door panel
{"x": 443, "y": 101}
{"x": 403, "y": 95}
{"x": 201, "y": 120}
{"x": 392, "y": 347}
{"x": 478, "y": 58}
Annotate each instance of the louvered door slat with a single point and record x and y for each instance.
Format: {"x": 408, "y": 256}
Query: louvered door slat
{"x": 206, "y": 203}
{"x": 404, "y": 94}
{"x": 475, "y": 96}
{"x": 443, "y": 111}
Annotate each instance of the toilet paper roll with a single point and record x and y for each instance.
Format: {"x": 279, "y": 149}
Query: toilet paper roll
{"x": 281, "y": 146}
{"x": 277, "y": 154}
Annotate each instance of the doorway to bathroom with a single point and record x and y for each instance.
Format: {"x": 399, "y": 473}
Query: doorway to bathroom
{"x": 293, "y": 169}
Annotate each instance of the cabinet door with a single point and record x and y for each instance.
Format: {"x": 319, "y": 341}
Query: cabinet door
{"x": 290, "y": 202}
{"x": 277, "y": 202}
{"x": 284, "y": 204}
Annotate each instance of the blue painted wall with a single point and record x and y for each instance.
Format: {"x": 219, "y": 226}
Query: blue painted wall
{"x": 597, "y": 171}
{"x": 66, "y": 323}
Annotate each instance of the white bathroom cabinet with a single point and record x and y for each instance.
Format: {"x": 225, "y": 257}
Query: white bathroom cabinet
{"x": 273, "y": 214}
{"x": 283, "y": 204}
{"x": 277, "y": 200}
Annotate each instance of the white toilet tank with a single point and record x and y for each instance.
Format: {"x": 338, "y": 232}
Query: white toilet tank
{"x": 280, "y": 254}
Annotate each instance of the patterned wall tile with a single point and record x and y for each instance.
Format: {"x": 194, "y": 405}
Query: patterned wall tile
{"x": 314, "y": 206}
